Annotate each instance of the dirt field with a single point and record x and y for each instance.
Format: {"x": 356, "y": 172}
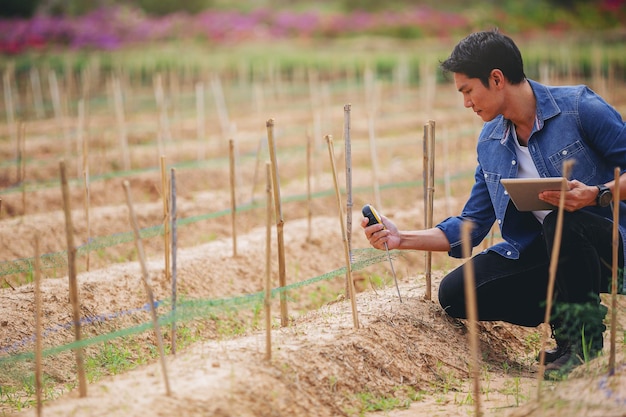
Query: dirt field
{"x": 407, "y": 355}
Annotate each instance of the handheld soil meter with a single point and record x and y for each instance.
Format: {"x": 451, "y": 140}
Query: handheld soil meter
{"x": 372, "y": 215}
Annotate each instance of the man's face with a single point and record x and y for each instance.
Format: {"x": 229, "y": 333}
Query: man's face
{"x": 484, "y": 101}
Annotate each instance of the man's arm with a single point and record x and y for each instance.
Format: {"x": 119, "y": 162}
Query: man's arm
{"x": 427, "y": 240}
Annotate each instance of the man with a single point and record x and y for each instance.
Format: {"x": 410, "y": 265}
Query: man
{"x": 530, "y": 130}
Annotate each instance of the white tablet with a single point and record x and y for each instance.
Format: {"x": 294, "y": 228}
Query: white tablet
{"x": 525, "y": 191}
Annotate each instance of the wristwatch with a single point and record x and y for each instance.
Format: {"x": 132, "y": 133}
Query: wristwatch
{"x": 605, "y": 196}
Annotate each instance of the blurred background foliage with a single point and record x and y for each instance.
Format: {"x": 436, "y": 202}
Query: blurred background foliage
{"x": 63, "y": 33}
{"x": 594, "y": 14}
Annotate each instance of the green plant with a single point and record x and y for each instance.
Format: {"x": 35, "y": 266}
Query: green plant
{"x": 332, "y": 382}
{"x": 532, "y": 343}
{"x": 322, "y": 296}
{"x": 513, "y": 387}
{"x": 21, "y": 394}
{"x": 370, "y": 402}
{"x": 163, "y": 7}
{"x": 447, "y": 379}
{"x": 113, "y": 359}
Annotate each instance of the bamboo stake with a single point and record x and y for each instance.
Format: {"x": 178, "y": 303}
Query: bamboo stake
{"x": 82, "y": 138}
{"x": 429, "y": 189}
{"x": 200, "y": 122}
{"x": 314, "y": 92}
{"x": 174, "y": 84}
{"x": 71, "y": 266}
{"x": 21, "y": 146}
{"x": 85, "y": 78}
{"x": 615, "y": 266}
{"x": 220, "y": 102}
{"x": 554, "y": 260}
{"x": 80, "y": 127}
{"x": 165, "y": 198}
{"x": 446, "y": 176}
{"x": 8, "y": 102}
{"x": 233, "y": 198}
{"x": 256, "y": 168}
{"x": 348, "y": 157}
{"x": 174, "y": 228}
{"x": 259, "y": 100}
{"x": 350, "y": 281}
{"x": 118, "y": 98}
{"x": 38, "y": 331}
{"x": 164, "y": 125}
{"x": 166, "y": 217}
{"x": 146, "y": 283}
{"x": 472, "y": 313}
{"x": 35, "y": 83}
{"x": 284, "y": 320}
{"x": 55, "y": 93}
{"x": 268, "y": 265}
{"x": 309, "y": 145}
{"x": 70, "y": 82}
{"x": 374, "y": 158}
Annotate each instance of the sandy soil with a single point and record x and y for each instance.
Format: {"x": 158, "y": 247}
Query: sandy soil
{"x": 404, "y": 358}
{"x": 321, "y": 365}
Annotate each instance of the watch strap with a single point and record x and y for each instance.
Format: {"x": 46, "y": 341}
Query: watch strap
{"x": 602, "y": 189}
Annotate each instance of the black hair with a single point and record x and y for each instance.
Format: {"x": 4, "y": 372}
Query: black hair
{"x": 481, "y": 52}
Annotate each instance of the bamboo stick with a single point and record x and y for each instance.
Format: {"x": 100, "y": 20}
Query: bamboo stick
{"x": 174, "y": 85}
{"x": 472, "y": 314}
{"x": 35, "y": 82}
{"x": 165, "y": 198}
{"x": 38, "y": 331}
{"x": 82, "y": 138}
{"x": 256, "y": 168}
{"x": 350, "y": 281}
{"x": 429, "y": 188}
{"x": 55, "y": 93}
{"x": 9, "y": 104}
{"x": 446, "y": 176}
{"x": 73, "y": 284}
{"x": 174, "y": 244}
{"x": 615, "y": 266}
{"x": 268, "y": 264}
{"x": 554, "y": 260}
{"x": 348, "y": 158}
{"x": 200, "y": 121}
{"x": 220, "y": 102}
{"x": 80, "y": 127}
{"x": 118, "y": 98}
{"x": 146, "y": 282}
{"x": 21, "y": 139}
{"x": 284, "y": 319}
{"x": 309, "y": 205}
{"x": 165, "y": 133}
{"x": 233, "y": 198}
{"x": 374, "y": 158}
{"x": 85, "y": 85}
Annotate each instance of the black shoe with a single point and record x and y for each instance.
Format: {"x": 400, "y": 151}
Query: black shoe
{"x": 553, "y": 354}
{"x": 558, "y": 369}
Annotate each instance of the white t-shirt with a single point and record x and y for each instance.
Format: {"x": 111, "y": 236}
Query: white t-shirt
{"x": 526, "y": 169}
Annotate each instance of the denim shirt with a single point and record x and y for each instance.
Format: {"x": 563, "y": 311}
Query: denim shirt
{"x": 572, "y": 122}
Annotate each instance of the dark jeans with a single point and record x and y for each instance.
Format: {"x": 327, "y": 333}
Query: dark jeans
{"x": 514, "y": 290}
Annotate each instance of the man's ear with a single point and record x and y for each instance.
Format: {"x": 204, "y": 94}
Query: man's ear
{"x": 498, "y": 77}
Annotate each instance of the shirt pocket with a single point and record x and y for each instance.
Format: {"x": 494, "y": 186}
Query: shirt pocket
{"x": 583, "y": 168}
{"x": 492, "y": 179}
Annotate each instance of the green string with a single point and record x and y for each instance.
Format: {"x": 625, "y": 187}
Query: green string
{"x": 194, "y": 309}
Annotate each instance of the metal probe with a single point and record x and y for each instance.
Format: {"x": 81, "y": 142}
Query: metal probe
{"x": 371, "y": 213}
